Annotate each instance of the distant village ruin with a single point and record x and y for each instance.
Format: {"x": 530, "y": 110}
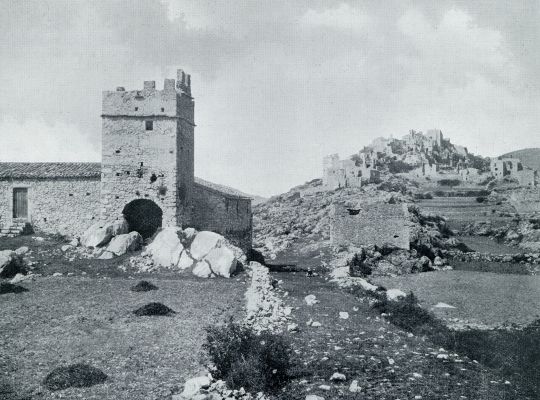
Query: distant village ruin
{"x": 426, "y": 156}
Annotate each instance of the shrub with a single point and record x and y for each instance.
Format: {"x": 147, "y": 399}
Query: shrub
{"x": 406, "y": 314}
{"x": 6, "y": 287}
{"x": 151, "y": 309}
{"x": 398, "y": 166}
{"x": 244, "y": 359}
{"x": 480, "y": 199}
{"x": 143, "y": 286}
{"x": 75, "y": 375}
{"x": 358, "y": 266}
{"x": 449, "y": 182}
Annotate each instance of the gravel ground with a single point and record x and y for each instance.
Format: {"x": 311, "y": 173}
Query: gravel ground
{"x": 65, "y": 320}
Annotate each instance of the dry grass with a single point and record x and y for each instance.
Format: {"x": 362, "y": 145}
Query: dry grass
{"x": 70, "y": 320}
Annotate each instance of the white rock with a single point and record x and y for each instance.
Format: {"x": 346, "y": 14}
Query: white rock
{"x": 292, "y": 327}
{"x": 38, "y": 238}
{"x": 106, "y": 255}
{"x": 443, "y": 305}
{"x": 185, "y": 261}
{"x": 340, "y": 273}
{"x": 22, "y": 250}
{"x": 166, "y": 247}
{"x": 366, "y": 285}
{"x": 65, "y": 247}
{"x": 337, "y": 377}
{"x": 123, "y": 243}
{"x": 395, "y": 294}
{"x": 204, "y": 242}
{"x": 354, "y": 388}
{"x": 74, "y": 242}
{"x": 194, "y": 385}
{"x": 316, "y": 324}
{"x": 344, "y": 315}
{"x": 19, "y": 278}
{"x": 222, "y": 261}
{"x": 120, "y": 226}
{"x": 324, "y": 387}
{"x": 442, "y": 356}
{"x": 188, "y": 235}
{"x": 314, "y": 397}
{"x": 438, "y": 262}
{"x": 57, "y": 274}
{"x": 97, "y": 235}
{"x": 202, "y": 269}
{"x": 5, "y": 258}
{"x": 310, "y": 299}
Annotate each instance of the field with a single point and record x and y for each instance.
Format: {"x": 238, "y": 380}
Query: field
{"x": 481, "y": 297}
{"x": 88, "y": 319}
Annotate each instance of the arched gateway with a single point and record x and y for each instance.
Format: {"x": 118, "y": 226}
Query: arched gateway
{"x": 143, "y": 216}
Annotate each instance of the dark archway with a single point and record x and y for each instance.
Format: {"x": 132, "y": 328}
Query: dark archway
{"x": 143, "y": 216}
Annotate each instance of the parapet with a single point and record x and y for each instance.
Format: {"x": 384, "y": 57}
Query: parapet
{"x": 183, "y": 82}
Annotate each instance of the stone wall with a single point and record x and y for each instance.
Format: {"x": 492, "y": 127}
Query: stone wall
{"x": 229, "y": 216}
{"x": 57, "y": 205}
{"x": 379, "y": 224}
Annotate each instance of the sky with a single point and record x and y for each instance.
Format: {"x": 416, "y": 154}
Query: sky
{"x": 277, "y": 84}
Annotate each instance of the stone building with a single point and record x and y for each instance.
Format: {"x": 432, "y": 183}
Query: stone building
{"x": 348, "y": 173}
{"x": 146, "y": 174}
{"x": 513, "y": 168}
{"x": 379, "y": 224}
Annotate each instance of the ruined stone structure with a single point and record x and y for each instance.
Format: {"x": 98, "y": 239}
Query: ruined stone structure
{"x": 379, "y": 224}
{"x": 147, "y": 172}
{"x": 513, "y": 168}
{"x": 347, "y": 173}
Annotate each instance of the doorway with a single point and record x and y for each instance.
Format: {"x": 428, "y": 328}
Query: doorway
{"x": 20, "y": 203}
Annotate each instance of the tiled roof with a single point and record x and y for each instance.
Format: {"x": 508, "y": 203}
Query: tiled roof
{"x": 40, "y": 170}
{"x": 222, "y": 189}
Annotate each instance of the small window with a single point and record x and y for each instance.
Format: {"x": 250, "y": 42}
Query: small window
{"x": 162, "y": 109}
{"x": 149, "y": 125}
{"x": 136, "y": 108}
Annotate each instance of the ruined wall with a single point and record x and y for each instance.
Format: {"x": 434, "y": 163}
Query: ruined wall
{"x": 377, "y": 224}
{"x": 61, "y": 205}
{"x": 226, "y": 215}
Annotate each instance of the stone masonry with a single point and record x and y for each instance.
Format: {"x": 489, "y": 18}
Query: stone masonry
{"x": 379, "y": 224}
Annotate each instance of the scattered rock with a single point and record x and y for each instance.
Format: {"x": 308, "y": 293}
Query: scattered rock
{"x": 314, "y": 397}
{"x": 344, "y": 315}
{"x": 194, "y": 385}
{"x": 310, "y": 299}
{"x": 395, "y": 294}
{"x": 22, "y": 250}
{"x": 106, "y": 255}
{"x": 20, "y": 278}
{"x": 338, "y": 377}
{"x": 354, "y": 388}
{"x": 11, "y": 288}
{"x": 143, "y": 286}
{"x": 76, "y": 375}
{"x": 316, "y": 324}
{"x": 56, "y": 274}
{"x": 153, "y": 309}
{"x": 97, "y": 235}
{"x": 292, "y": 327}
{"x": 11, "y": 264}
{"x": 123, "y": 243}
{"x": 65, "y": 248}
{"x": 443, "y": 305}
{"x": 185, "y": 261}
{"x": 75, "y": 242}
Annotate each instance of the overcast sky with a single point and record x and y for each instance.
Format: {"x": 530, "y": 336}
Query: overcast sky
{"x": 277, "y": 85}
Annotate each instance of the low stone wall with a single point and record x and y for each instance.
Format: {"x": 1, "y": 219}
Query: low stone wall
{"x": 56, "y": 205}
{"x": 227, "y": 215}
{"x": 379, "y": 224}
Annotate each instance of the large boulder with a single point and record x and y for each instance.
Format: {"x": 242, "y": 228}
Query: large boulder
{"x": 222, "y": 261}
{"x": 185, "y": 261}
{"x": 204, "y": 242}
{"x": 166, "y": 247}
{"x": 97, "y": 235}
{"x": 202, "y": 270}
{"x": 123, "y": 243}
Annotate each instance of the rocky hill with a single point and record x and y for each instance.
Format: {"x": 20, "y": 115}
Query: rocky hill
{"x": 529, "y": 157}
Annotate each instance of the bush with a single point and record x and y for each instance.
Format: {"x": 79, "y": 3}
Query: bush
{"x": 75, "y": 375}
{"x": 143, "y": 286}
{"x": 358, "y": 266}
{"x": 449, "y": 182}
{"x": 480, "y": 199}
{"x": 246, "y": 360}
{"x": 152, "y": 309}
{"x": 406, "y": 313}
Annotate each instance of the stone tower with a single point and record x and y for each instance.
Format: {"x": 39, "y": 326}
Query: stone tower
{"x": 147, "y": 153}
